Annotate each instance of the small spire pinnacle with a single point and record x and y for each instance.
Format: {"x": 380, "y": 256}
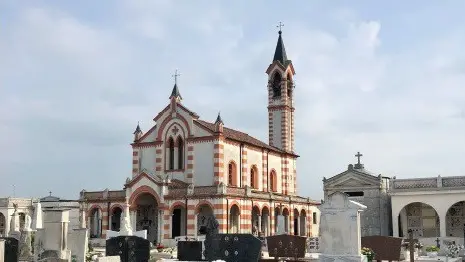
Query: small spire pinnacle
{"x": 138, "y": 130}
{"x": 218, "y": 119}
{"x": 175, "y": 93}
{"x": 280, "y": 52}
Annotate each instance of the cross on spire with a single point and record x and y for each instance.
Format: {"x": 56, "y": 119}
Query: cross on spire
{"x": 358, "y": 155}
{"x": 176, "y": 76}
{"x": 280, "y": 25}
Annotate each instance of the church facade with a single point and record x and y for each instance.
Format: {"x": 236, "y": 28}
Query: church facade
{"x": 185, "y": 169}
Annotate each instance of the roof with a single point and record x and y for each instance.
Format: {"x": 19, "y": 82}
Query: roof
{"x": 280, "y": 52}
{"x": 240, "y": 137}
{"x": 50, "y": 199}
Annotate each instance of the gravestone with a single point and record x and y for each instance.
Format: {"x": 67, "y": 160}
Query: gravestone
{"x": 286, "y": 246}
{"x": 11, "y": 246}
{"x": 313, "y": 245}
{"x": 340, "y": 236}
{"x": 189, "y": 250}
{"x": 385, "y": 248}
{"x": 129, "y": 248}
{"x": 25, "y": 242}
{"x": 2, "y": 250}
{"x": 233, "y": 247}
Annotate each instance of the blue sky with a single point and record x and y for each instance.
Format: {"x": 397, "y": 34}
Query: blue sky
{"x": 384, "y": 78}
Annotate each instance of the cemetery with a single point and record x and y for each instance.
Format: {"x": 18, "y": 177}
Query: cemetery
{"x": 340, "y": 239}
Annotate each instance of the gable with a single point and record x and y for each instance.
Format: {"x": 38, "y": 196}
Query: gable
{"x": 350, "y": 179}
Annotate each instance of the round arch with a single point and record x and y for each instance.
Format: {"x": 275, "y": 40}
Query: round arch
{"x": 455, "y": 219}
{"x": 143, "y": 190}
{"x": 204, "y": 203}
{"x": 421, "y": 218}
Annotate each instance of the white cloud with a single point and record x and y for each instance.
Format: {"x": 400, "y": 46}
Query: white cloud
{"x": 66, "y": 77}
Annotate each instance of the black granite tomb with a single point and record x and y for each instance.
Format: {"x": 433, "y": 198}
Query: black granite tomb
{"x": 286, "y": 246}
{"x": 11, "y": 249}
{"x": 189, "y": 251}
{"x": 129, "y": 248}
{"x": 232, "y": 247}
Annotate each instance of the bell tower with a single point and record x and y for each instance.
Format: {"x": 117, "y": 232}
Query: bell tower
{"x": 280, "y": 98}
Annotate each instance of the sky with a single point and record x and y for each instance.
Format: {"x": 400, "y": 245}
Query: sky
{"x": 383, "y": 78}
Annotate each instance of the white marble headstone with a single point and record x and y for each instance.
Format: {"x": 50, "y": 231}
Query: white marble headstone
{"x": 340, "y": 235}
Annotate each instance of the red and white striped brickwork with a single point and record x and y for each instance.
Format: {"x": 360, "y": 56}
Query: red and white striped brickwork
{"x": 245, "y": 181}
{"x": 190, "y": 162}
{"x": 135, "y": 162}
{"x": 218, "y": 164}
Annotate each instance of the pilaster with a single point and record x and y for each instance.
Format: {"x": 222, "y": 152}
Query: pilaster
{"x": 159, "y": 159}
{"x": 218, "y": 161}
{"x": 244, "y": 167}
{"x": 265, "y": 185}
{"x": 190, "y": 163}
{"x": 135, "y": 161}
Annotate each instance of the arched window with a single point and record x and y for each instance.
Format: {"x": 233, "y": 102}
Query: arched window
{"x": 273, "y": 182}
{"x": 290, "y": 86}
{"x": 171, "y": 157}
{"x": 253, "y": 177}
{"x": 276, "y": 85}
{"x": 232, "y": 174}
{"x": 180, "y": 153}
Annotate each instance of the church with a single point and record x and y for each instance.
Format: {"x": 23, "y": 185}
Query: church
{"x": 185, "y": 169}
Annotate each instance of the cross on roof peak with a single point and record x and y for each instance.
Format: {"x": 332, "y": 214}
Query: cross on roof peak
{"x": 280, "y": 25}
{"x": 176, "y": 74}
{"x": 358, "y": 156}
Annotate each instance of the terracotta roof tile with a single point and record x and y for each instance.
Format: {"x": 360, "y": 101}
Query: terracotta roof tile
{"x": 240, "y": 136}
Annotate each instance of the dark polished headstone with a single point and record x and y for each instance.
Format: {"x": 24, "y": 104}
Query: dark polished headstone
{"x": 232, "y": 247}
{"x": 128, "y": 248}
{"x": 11, "y": 249}
{"x": 189, "y": 251}
{"x": 286, "y": 246}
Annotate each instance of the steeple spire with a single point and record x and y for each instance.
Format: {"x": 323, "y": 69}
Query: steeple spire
{"x": 175, "y": 93}
{"x": 218, "y": 119}
{"x": 280, "y": 52}
{"x": 138, "y": 130}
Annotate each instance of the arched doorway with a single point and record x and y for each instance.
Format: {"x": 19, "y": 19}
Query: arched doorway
{"x": 204, "y": 211}
{"x": 147, "y": 215}
{"x": 116, "y": 214}
{"x": 303, "y": 222}
{"x": 95, "y": 223}
{"x": 265, "y": 221}
{"x": 255, "y": 220}
{"x": 455, "y": 219}
{"x": 178, "y": 221}
{"x": 234, "y": 221}
{"x": 286, "y": 220}
{"x": 2, "y": 224}
{"x": 296, "y": 223}
{"x": 421, "y": 218}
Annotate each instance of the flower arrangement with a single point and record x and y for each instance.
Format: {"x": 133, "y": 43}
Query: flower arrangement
{"x": 453, "y": 250}
{"x": 432, "y": 249}
{"x": 160, "y": 247}
{"x": 406, "y": 245}
{"x": 369, "y": 253}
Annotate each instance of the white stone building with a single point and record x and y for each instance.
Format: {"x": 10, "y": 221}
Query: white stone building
{"x": 368, "y": 189}
{"x": 186, "y": 168}
{"x": 24, "y": 206}
{"x": 431, "y": 207}
{"x": 27, "y": 205}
